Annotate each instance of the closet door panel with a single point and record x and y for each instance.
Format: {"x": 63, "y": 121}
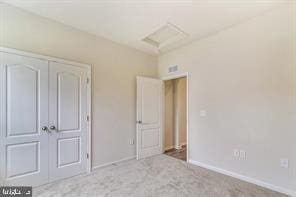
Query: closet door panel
{"x": 68, "y": 113}
{"x": 24, "y": 111}
{"x": 67, "y": 118}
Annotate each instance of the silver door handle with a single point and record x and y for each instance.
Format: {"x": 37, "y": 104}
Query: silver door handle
{"x": 44, "y": 128}
{"x": 52, "y": 127}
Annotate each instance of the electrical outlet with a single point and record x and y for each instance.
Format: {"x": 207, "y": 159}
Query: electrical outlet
{"x": 236, "y": 153}
{"x": 242, "y": 154}
{"x": 132, "y": 141}
{"x": 285, "y": 163}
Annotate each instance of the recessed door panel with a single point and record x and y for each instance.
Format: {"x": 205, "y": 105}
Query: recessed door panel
{"x": 23, "y": 112}
{"x": 150, "y": 103}
{"x": 68, "y": 101}
{"x": 68, "y": 151}
{"x": 150, "y": 138}
{"x": 22, "y": 159}
{"x": 22, "y": 100}
{"x": 68, "y": 116}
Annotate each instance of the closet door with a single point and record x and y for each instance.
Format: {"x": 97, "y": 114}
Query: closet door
{"x": 23, "y": 118}
{"x": 67, "y": 120}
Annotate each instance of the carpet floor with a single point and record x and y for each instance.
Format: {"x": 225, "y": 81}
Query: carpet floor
{"x": 152, "y": 177}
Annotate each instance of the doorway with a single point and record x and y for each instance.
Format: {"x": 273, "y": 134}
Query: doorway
{"x": 175, "y": 121}
{"x": 159, "y": 128}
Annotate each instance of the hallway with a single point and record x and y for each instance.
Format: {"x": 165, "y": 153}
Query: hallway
{"x": 178, "y": 153}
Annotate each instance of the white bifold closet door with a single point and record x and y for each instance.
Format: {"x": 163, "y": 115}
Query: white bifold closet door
{"x": 43, "y": 120}
{"x": 24, "y": 111}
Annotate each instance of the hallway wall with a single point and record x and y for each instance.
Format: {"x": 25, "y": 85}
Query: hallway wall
{"x": 175, "y": 112}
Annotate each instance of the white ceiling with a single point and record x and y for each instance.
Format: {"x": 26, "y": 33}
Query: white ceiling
{"x": 128, "y": 22}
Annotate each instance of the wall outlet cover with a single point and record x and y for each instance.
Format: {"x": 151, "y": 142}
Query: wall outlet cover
{"x": 132, "y": 141}
{"x": 236, "y": 153}
{"x": 242, "y": 154}
{"x": 284, "y": 163}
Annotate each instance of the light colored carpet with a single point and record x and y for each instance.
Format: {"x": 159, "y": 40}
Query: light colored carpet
{"x": 155, "y": 176}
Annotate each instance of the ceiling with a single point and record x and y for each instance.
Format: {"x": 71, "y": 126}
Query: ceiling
{"x": 129, "y": 21}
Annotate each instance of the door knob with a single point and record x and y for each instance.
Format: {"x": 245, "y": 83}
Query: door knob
{"x": 44, "y": 128}
{"x": 139, "y": 122}
{"x": 52, "y": 127}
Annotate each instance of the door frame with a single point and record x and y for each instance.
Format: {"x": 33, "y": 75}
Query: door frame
{"x": 89, "y": 94}
{"x": 176, "y": 76}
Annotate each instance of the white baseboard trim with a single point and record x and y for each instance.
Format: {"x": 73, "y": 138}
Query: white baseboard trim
{"x": 169, "y": 148}
{"x": 113, "y": 162}
{"x": 174, "y": 146}
{"x": 183, "y": 144}
{"x": 245, "y": 178}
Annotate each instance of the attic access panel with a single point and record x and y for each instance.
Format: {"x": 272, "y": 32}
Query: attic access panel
{"x": 164, "y": 36}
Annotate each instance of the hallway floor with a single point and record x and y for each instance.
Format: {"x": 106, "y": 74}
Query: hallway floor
{"x": 178, "y": 153}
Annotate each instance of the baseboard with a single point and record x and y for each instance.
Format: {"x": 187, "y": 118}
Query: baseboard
{"x": 176, "y": 147}
{"x": 113, "y": 162}
{"x": 169, "y": 148}
{"x": 183, "y": 144}
{"x": 245, "y": 178}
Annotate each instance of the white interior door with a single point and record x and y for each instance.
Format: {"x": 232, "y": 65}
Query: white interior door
{"x": 67, "y": 120}
{"x": 23, "y": 112}
{"x": 149, "y": 117}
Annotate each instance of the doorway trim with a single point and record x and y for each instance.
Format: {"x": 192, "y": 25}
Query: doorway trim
{"x": 176, "y": 76}
{"x": 89, "y": 81}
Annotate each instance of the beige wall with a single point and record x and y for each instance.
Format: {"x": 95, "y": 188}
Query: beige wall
{"x": 114, "y": 68}
{"x": 245, "y": 78}
{"x": 175, "y": 113}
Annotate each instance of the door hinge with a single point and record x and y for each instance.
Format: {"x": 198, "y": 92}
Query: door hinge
{"x": 87, "y": 118}
{"x": 87, "y": 80}
{"x": 87, "y": 156}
